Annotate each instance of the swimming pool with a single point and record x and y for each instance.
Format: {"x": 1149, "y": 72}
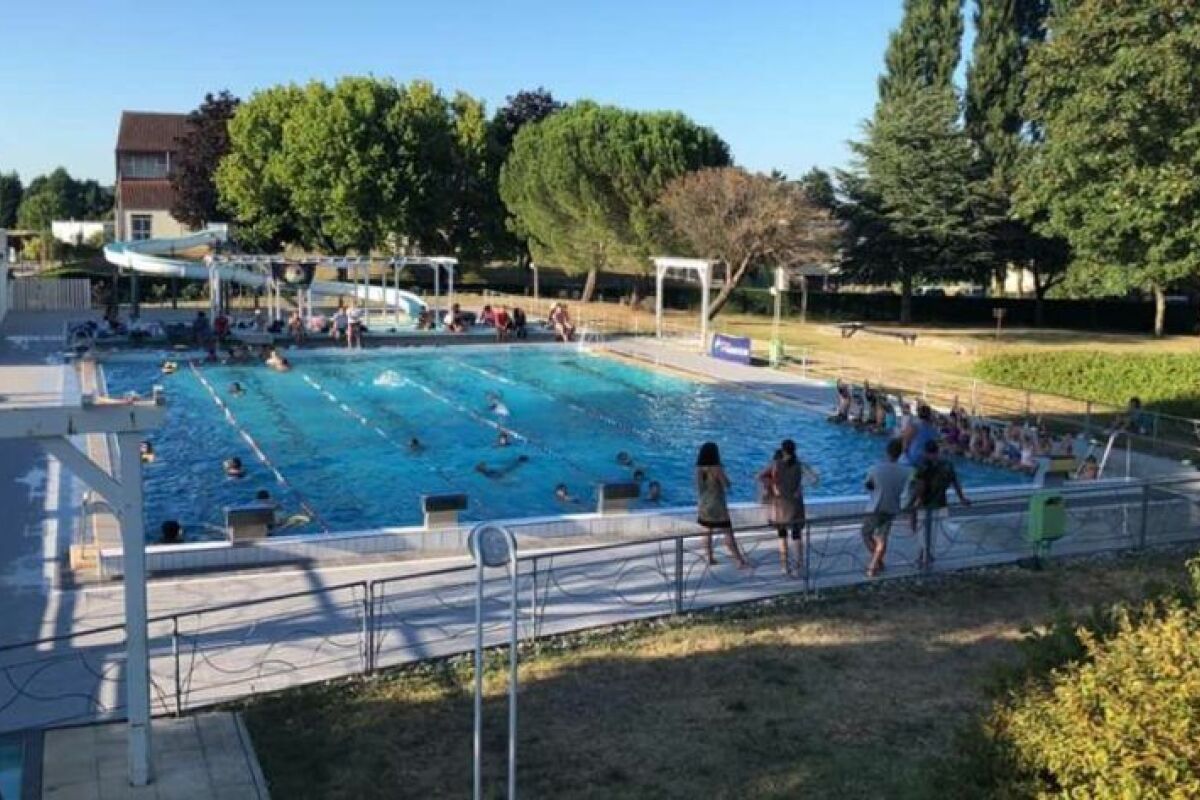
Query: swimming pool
{"x": 335, "y": 434}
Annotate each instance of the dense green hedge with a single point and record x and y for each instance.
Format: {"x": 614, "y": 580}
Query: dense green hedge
{"x": 1168, "y": 382}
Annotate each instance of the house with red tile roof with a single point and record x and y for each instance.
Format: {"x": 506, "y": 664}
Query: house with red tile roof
{"x": 147, "y": 145}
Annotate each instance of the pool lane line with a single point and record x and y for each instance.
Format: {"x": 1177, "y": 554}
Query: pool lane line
{"x": 366, "y": 423}
{"x": 258, "y": 452}
{"x": 546, "y": 449}
{"x": 529, "y": 383}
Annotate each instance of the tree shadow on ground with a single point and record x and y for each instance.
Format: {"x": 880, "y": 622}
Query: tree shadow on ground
{"x": 850, "y": 698}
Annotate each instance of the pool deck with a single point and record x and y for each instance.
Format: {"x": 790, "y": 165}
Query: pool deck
{"x": 199, "y": 757}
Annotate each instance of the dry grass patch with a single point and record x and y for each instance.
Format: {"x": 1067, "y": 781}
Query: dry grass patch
{"x": 850, "y": 697}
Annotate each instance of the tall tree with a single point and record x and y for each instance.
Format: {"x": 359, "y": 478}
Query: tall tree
{"x": 523, "y": 108}
{"x": 746, "y": 222}
{"x": 250, "y": 178}
{"x": 1005, "y": 30}
{"x": 911, "y": 184}
{"x": 200, "y": 151}
{"x": 1116, "y": 90}
{"x": 914, "y": 194}
{"x": 583, "y": 184}
{"x": 925, "y": 49}
{"x": 11, "y": 191}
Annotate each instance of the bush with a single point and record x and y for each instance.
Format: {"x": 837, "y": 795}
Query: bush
{"x": 1168, "y": 382}
{"x": 1105, "y": 709}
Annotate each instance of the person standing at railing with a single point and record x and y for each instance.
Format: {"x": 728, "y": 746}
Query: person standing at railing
{"x": 933, "y": 480}
{"x": 886, "y": 482}
{"x": 712, "y": 510}
{"x": 785, "y": 480}
{"x": 918, "y": 435}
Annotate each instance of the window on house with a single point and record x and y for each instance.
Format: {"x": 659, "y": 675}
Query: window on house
{"x": 144, "y": 165}
{"x": 139, "y": 226}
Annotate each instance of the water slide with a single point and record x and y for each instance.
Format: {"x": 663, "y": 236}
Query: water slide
{"x": 165, "y": 258}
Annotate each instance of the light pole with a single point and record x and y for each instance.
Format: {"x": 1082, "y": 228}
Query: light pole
{"x": 536, "y": 296}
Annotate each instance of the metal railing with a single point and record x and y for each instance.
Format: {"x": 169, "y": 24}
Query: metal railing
{"x": 1164, "y": 434}
{"x": 221, "y": 653}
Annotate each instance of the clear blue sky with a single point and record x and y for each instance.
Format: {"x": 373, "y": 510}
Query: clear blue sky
{"x": 785, "y": 82}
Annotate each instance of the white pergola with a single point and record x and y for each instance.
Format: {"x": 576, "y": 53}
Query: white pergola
{"x": 703, "y": 268}
{"x": 44, "y": 403}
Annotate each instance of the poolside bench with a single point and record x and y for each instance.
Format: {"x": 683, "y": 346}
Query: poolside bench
{"x": 848, "y": 329}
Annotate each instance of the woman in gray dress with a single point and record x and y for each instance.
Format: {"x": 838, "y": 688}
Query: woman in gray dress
{"x": 784, "y": 480}
{"x": 712, "y": 508}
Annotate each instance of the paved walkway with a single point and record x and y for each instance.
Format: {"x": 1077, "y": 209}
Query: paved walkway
{"x": 201, "y": 757}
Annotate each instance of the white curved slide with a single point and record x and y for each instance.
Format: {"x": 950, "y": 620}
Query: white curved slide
{"x": 158, "y": 257}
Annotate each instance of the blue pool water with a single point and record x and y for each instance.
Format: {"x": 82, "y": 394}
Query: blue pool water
{"x": 10, "y": 768}
{"x": 337, "y": 426}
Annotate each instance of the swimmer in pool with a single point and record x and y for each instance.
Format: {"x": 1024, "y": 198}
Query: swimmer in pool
{"x": 495, "y": 405}
{"x": 236, "y": 389}
{"x": 169, "y": 367}
{"x": 654, "y": 492}
{"x": 639, "y": 475}
{"x": 279, "y": 519}
{"x": 624, "y": 459}
{"x": 563, "y": 495}
{"x": 495, "y": 473}
{"x": 503, "y": 439}
{"x": 415, "y": 445}
{"x": 233, "y": 468}
{"x": 147, "y": 451}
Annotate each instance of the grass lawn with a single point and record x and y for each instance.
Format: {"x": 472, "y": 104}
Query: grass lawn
{"x": 854, "y": 696}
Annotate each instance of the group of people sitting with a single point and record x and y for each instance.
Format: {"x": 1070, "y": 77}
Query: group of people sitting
{"x": 1009, "y": 445}
{"x": 514, "y": 324}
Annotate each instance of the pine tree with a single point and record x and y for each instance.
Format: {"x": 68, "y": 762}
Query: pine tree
{"x": 924, "y": 51}
{"x": 1002, "y": 136}
{"x": 909, "y": 212}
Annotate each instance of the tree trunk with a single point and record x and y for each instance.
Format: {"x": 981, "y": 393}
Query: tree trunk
{"x": 906, "y": 290}
{"x": 589, "y": 286}
{"x": 174, "y": 292}
{"x": 732, "y": 280}
{"x": 1160, "y": 310}
{"x": 1039, "y": 301}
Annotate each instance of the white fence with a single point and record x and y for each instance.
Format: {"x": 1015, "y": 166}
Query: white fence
{"x": 54, "y": 294}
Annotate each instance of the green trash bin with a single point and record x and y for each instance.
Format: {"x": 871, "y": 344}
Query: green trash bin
{"x": 775, "y": 354}
{"x": 1047, "y": 520}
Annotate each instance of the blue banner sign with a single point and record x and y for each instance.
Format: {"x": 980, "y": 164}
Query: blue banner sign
{"x": 731, "y": 348}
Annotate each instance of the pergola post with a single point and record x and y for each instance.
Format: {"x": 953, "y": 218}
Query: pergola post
{"x": 703, "y": 269}
{"x": 123, "y": 492}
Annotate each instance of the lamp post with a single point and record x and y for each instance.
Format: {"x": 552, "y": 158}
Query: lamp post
{"x": 536, "y": 295}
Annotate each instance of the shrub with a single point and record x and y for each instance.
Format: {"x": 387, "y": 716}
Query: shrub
{"x": 1124, "y": 723}
{"x": 1168, "y": 382}
{"x": 1105, "y": 709}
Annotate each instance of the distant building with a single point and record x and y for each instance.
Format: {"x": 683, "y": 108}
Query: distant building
{"x": 77, "y": 233}
{"x": 147, "y": 145}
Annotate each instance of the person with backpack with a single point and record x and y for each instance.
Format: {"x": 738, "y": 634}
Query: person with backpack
{"x": 933, "y": 480}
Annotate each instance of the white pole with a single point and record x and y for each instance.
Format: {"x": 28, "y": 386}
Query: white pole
{"x": 477, "y": 793}
{"x": 137, "y": 664}
{"x": 658, "y": 299}
{"x": 705, "y": 279}
{"x": 437, "y": 284}
{"x": 396, "y": 281}
{"x": 512, "y": 676}
{"x": 450, "y": 280}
